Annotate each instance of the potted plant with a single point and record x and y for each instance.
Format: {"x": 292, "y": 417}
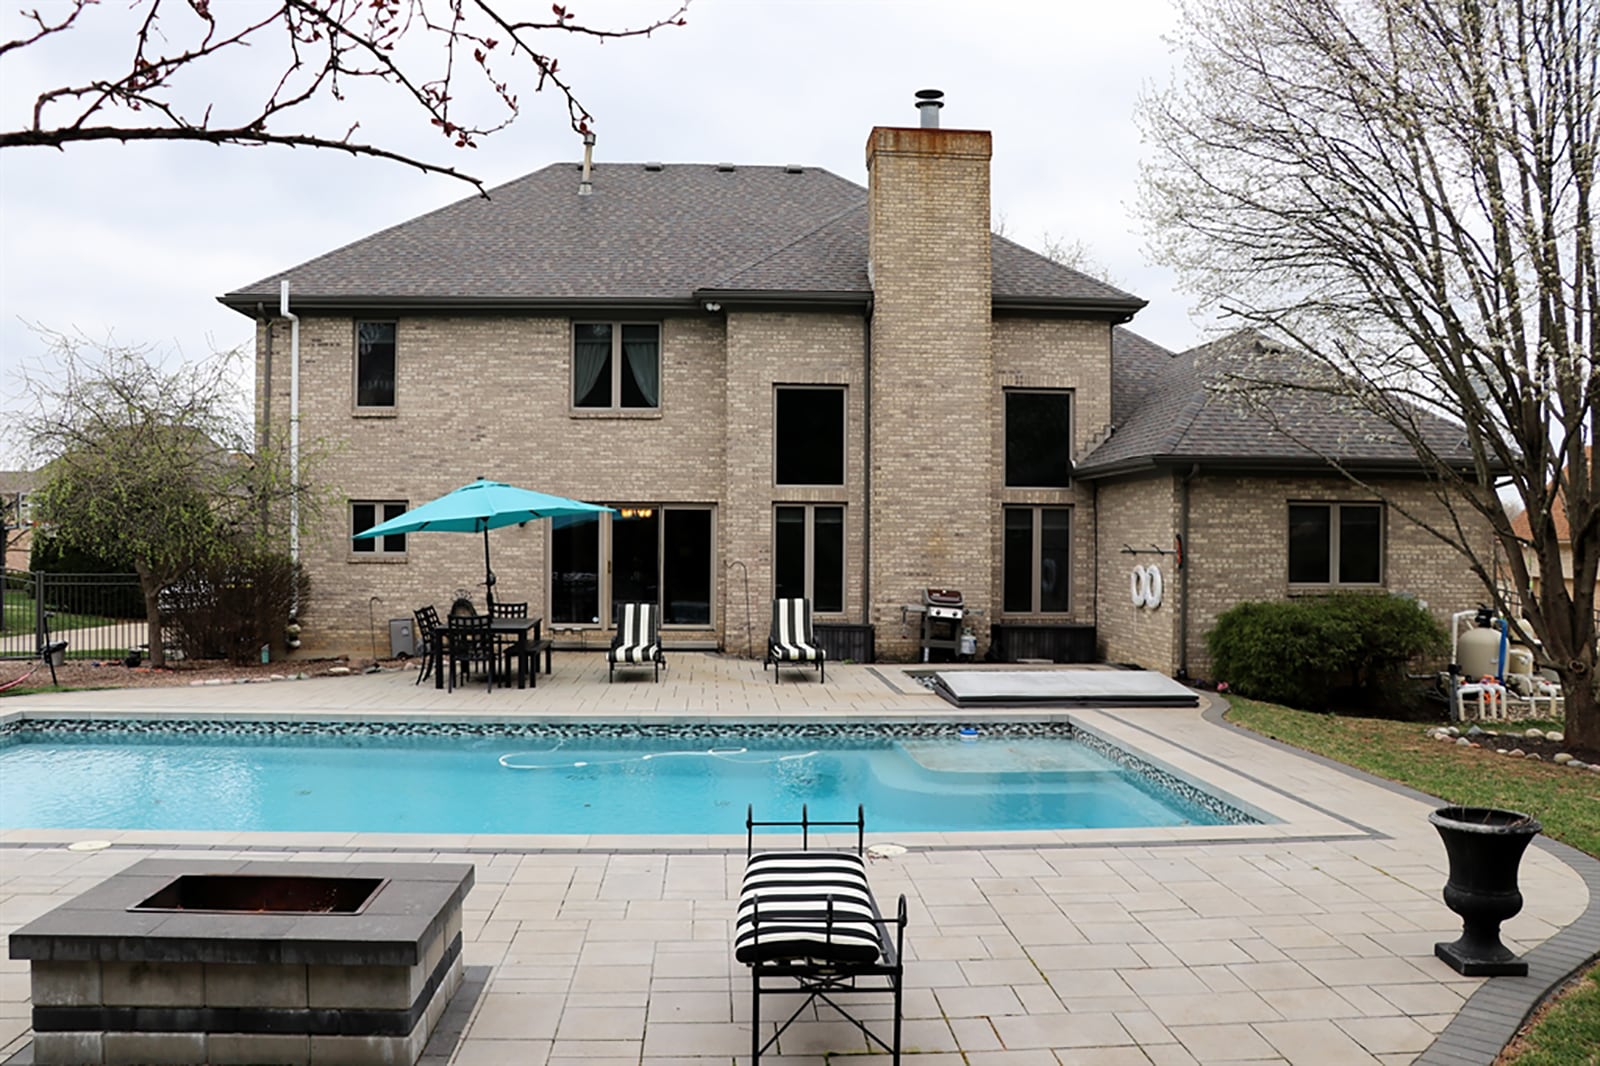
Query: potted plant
{"x": 1485, "y": 847}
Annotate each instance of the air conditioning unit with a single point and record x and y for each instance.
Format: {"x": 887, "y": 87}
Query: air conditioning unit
{"x": 402, "y": 638}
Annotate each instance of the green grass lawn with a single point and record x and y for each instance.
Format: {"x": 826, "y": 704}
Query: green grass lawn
{"x": 18, "y": 616}
{"x": 1566, "y": 802}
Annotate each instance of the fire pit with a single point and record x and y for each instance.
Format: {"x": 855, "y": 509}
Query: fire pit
{"x": 182, "y": 961}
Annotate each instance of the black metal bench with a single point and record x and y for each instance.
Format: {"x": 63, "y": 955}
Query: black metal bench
{"x": 808, "y": 922}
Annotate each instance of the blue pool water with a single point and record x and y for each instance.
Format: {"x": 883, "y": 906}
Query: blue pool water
{"x": 569, "y": 785}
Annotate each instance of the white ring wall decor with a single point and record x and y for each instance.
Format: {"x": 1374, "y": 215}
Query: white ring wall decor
{"x": 1136, "y": 586}
{"x": 1152, "y": 586}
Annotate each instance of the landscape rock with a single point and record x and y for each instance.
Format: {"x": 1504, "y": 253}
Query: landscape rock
{"x": 1536, "y": 734}
{"x": 1561, "y": 757}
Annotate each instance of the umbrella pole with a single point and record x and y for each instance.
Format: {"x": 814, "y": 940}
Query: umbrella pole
{"x": 488, "y": 574}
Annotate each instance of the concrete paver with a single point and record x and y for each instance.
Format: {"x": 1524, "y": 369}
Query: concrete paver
{"x": 1306, "y": 940}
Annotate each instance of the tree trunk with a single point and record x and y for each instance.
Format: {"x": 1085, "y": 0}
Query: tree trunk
{"x": 151, "y": 587}
{"x": 1583, "y": 716}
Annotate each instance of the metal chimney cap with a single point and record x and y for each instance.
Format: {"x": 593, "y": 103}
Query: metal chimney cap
{"x": 929, "y": 101}
{"x": 930, "y": 95}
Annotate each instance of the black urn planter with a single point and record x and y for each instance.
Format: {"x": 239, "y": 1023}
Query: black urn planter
{"x": 1485, "y": 847}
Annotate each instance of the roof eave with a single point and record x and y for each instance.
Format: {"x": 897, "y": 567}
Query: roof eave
{"x": 1251, "y": 464}
{"x": 248, "y": 303}
{"x": 854, "y": 299}
{"x": 1115, "y": 311}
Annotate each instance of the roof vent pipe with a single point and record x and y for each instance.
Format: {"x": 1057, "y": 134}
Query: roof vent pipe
{"x": 929, "y": 101}
{"x": 585, "y": 187}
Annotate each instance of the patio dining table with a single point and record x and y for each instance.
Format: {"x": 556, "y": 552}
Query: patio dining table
{"x": 522, "y": 635}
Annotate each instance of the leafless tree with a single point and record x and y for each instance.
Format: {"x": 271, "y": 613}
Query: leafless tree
{"x": 1405, "y": 190}
{"x": 463, "y": 63}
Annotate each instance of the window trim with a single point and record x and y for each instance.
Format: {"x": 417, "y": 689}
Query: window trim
{"x": 1036, "y": 561}
{"x": 380, "y": 515}
{"x": 614, "y": 408}
{"x": 1335, "y": 545}
{"x": 355, "y": 368}
{"x": 1005, "y": 431}
{"x": 810, "y": 581}
{"x": 844, "y": 434}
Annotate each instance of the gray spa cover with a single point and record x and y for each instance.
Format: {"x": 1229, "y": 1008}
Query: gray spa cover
{"x": 1064, "y": 687}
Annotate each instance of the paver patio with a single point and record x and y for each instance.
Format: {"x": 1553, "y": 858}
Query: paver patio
{"x": 1307, "y": 940}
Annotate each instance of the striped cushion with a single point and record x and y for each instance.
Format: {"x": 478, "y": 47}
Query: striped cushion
{"x": 636, "y": 635}
{"x": 791, "y": 639}
{"x": 642, "y": 654}
{"x": 784, "y": 909}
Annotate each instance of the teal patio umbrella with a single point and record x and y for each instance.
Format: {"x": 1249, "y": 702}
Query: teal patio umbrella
{"x": 480, "y": 507}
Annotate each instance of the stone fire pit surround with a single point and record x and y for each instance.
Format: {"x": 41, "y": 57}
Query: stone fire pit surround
{"x": 114, "y": 984}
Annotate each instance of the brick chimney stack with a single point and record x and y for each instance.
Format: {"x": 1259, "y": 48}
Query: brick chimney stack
{"x": 932, "y": 373}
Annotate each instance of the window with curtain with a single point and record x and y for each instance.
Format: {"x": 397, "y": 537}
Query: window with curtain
{"x": 1036, "y": 544}
{"x": 375, "y": 364}
{"x": 364, "y": 514}
{"x": 1038, "y": 439}
{"x": 616, "y": 366}
{"x": 1335, "y": 544}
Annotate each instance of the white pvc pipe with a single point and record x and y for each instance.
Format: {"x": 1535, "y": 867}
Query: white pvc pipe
{"x": 294, "y": 424}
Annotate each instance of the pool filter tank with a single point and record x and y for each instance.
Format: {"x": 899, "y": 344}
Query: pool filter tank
{"x": 1478, "y": 653}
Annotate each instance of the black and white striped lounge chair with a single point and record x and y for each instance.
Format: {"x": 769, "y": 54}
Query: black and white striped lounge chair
{"x": 808, "y": 923}
{"x": 638, "y": 639}
{"x": 792, "y": 640}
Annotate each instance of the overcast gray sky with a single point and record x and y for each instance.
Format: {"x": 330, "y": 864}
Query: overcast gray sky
{"x": 137, "y": 241}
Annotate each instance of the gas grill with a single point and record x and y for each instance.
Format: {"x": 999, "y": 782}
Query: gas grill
{"x": 943, "y": 611}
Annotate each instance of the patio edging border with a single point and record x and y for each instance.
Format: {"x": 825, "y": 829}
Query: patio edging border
{"x": 1487, "y": 1015}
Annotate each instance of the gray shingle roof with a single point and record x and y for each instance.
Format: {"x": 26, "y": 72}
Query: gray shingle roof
{"x": 646, "y": 235}
{"x": 1174, "y": 409}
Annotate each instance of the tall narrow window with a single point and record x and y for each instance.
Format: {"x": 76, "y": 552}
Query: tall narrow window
{"x": 635, "y": 557}
{"x": 808, "y": 436}
{"x": 1335, "y": 544}
{"x": 686, "y": 565}
{"x": 575, "y": 570}
{"x": 375, "y": 364}
{"x": 808, "y": 555}
{"x": 616, "y": 366}
{"x": 1038, "y": 440}
{"x": 364, "y": 514}
{"x": 1036, "y": 544}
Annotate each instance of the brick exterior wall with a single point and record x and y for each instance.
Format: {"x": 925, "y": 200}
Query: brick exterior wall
{"x": 932, "y": 371}
{"x": 1238, "y": 550}
{"x": 1138, "y": 512}
{"x": 475, "y": 395}
{"x": 1055, "y": 353}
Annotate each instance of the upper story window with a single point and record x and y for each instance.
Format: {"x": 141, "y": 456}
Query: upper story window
{"x": 616, "y": 365}
{"x": 375, "y": 364}
{"x": 1038, "y": 439}
{"x": 1335, "y": 544}
{"x": 808, "y": 436}
{"x": 364, "y": 514}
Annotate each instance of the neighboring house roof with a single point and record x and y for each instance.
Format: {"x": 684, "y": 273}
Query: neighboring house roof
{"x": 18, "y": 481}
{"x": 1167, "y": 410}
{"x": 647, "y": 235}
{"x": 1522, "y": 525}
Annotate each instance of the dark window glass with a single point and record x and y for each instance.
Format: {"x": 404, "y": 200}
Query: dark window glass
{"x": 635, "y": 576}
{"x": 1055, "y": 542}
{"x": 591, "y": 365}
{"x": 789, "y": 553}
{"x": 827, "y": 565}
{"x": 575, "y": 570}
{"x": 1017, "y": 547}
{"x": 364, "y": 515}
{"x": 375, "y": 364}
{"x": 1310, "y": 544}
{"x": 809, "y": 437}
{"x": 1039, "y": 439}
{"x": 687, "y": 581}
{"x": 1360, "y": 545}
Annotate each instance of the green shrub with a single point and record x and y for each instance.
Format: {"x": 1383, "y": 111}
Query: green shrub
{"x": 1318, "y": 652}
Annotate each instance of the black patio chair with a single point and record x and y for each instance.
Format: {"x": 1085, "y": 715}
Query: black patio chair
{"x": 471, "y": 639}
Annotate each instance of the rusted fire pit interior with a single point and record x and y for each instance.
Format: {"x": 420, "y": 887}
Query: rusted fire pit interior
{"x": 240, "y": 893}
{"x": 217, "y": 961}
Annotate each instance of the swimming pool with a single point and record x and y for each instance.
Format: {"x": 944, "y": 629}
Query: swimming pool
{"x": 493, "y": 778}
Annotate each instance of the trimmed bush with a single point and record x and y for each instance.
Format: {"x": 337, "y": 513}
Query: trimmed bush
{"x": 1323, "y": 651}
{"x": 230, "y": 609}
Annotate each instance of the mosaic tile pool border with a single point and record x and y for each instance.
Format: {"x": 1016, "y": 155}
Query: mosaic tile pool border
{"x": 1147, "y": 776}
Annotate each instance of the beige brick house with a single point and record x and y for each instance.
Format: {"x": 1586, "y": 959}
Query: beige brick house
{"x": 785, "y": 384}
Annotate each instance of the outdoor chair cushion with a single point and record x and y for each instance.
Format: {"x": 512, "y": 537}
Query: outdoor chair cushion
{"x": 792, "y": 639}
{"x": 785, "y": 906}
{"x": 636, "y": 640}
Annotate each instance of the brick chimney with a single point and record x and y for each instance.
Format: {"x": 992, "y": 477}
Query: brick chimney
{"x": 932, "y": 374}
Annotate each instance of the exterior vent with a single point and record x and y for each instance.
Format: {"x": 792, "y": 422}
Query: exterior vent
{"x": 929, "y": 101}
{"x": 725, "y": 168}
{"x": 653, "y": 167}
{"x": 794, "y": 168}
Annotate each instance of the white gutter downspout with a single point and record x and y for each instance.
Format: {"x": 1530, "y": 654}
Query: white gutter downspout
{"x": 294, "y": 426}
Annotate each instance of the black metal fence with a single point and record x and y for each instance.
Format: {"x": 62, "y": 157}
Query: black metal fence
{"x": 100, "y": 616}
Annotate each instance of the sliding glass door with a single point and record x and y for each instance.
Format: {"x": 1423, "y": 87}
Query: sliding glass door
{"x": 660, "y": 555}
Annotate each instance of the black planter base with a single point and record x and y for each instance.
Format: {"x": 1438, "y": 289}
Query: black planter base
{"x": 1469, "y": 963}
